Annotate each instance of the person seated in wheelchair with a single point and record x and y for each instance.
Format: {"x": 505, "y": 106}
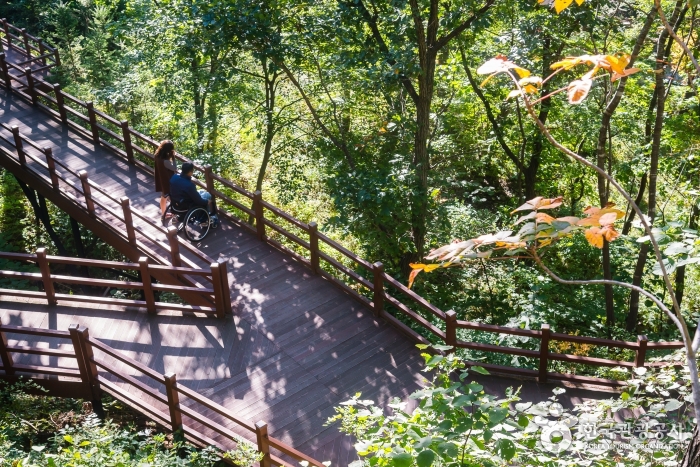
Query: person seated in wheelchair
{"x": 184, "y": 194}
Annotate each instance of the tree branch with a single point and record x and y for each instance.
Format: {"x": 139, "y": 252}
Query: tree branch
{"x": 440, "y": 43}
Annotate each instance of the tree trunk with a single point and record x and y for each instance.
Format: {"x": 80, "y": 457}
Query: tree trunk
{"x": 680, "y": 272}
{"x": 691, "y": 458}
{"x": 199, "y": 105}
{"x": 638, "y": 200}
{"x": 663, "y": 49}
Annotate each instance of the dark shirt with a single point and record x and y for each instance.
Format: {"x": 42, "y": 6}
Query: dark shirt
{"x": 183, "y": 189}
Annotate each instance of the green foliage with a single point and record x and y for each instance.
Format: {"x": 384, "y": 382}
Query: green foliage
{"x": 457, "y": 424}
{"x": 42, "y": 431}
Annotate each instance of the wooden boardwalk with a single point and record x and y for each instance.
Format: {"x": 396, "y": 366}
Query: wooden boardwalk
{"x": 296, "y": 347}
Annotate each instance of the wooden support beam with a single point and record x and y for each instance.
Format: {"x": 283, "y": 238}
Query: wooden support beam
{"x": 174, "y": 246}
{"x": 5, "y": 355}
{"x": 378, "y": 300}
{"x": 313, "y": 248}
{"x": 19, "y": 146}
{"x": 52, "y": 168}
{"x": 173, "y": 401}
{"x": 219, "y": 292}
{"x": 128, "y": 220}
{"x": 87, "y": 192}
{"x": 259, "y": 215}
{"x": 92, "y": 116}
{"x": 128, "y": 146}
{"x": 5, "y": 72}
{"x": 31, "y": 88}
{"x": 43, "y": 264}
{"x": 148, "y": 296}
{"x": 544, "y": 354}
{"x": 641, "y": 352}
{"x": 451, "y": 329}
{"x": 60, "y": 103}
{"x": 263, "y": 443}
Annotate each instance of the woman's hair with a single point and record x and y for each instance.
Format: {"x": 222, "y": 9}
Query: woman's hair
{"x": 164, "y": 150}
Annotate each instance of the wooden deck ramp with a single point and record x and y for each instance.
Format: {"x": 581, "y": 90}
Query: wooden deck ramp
{"x": 295, "y": 347}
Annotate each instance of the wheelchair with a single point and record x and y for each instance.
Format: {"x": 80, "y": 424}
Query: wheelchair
{"x": 195, "y": 221}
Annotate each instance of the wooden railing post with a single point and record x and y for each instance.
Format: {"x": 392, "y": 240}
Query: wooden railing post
{"x": 146, "y": 281}
{"x": 87, "y": 192}
{"x": 5, "y": 72}
{"x": 6, "y": 30}
{"x": 451, "y": 329}
{"x": 82, "y": 337}
{"x": 218, "y": 290}
{"x": 73, "y": 329}
{"x": 56, "y": 57}
{"x": 313, "y": 248}
{"x": 209, "y": 179}
{"x": 223, "y": 270}
{"x": 60, "y": 103}
{"x": 19, "y": 146}
{"x": 42, "y": 51}
{"x": 259, "y": 215}
{"x": 544, "y": 354}
{"x": 128, "y": 220}
{"x": 43, "y": 264}
{"x": 5, "y": 355}
{"x": 173, "y": 401}
{"x": 378, "y": 300}
{"x": 641, "y": 356}
{"x": 52, "y": 168}
{"x": 263, "y": 443}
{"x": 31, "y": 89}
{"x": 25, "y": 40}
{"x": 93, "y": 122}
{"x": 128, "y": 146}
{"x": 174, "y": 246}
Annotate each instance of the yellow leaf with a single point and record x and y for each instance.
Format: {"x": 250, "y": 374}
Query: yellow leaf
{"x": 543, "y": 217}
{"x": 594, "y": 237}
{"x": 617, "y": 64}
{"x": 578, "y": 90}
{"x": 545, "y": 242}
{"x": 627, "y": 72}
{"x": 412, "y": 276}
{"x": 535, "y": 80}
{"x": 607, "y": 218}
{"x": 530, "y": 89}
{"x": 540, "y": 203}
{"x": 579, "y": 2}
{"x": 610, "y": 233}
{"x": 522, "y": 72}
{"x": 561, "y": 5}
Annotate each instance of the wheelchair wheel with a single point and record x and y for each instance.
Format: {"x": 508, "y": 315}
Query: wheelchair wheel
{"x": 196, "y": 224}
{"x": 177, "y": 218}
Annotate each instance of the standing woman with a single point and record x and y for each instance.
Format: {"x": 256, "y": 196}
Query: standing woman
{"x": 165, "y": 168}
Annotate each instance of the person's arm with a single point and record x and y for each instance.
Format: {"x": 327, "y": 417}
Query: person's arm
{"x": 194, "y": 195}
{"x": 170, "y": 165}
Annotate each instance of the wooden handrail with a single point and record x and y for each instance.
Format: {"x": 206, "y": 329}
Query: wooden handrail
{"x": 219, "y": 293}
{"x": 436, "y": 320}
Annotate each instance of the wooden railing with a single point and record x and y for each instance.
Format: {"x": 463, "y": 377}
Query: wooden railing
{"x": 218, "y": 293}
{"x": 116, "y": 214}
{"x": 158, "y": 396}
{"x": 37, "y": 51}
{"x": 387, "y": 297}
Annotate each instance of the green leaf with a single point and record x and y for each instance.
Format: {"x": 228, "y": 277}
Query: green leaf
{"x": 434, "y": 360}
{"x": 425, "y": 458}
{"x": 402, "y": 459}
{"x": 523, "y": 406}
{"x": 625, "y": 396}
{"x": 505, "y": 449}
{"x": 481, "y": 370}
{"x": 68, "y": 439}
{"x": 672, "y": 404}
{"x": 523, "y": 421}
{"x": 463, "y": 400}
{"x": 488, "y": 434}
{"x": 442, "y": 347}
{"x": 474, "y": 387}
{"x": 424, "y": 443}
{"x": 448, "y": 450}
{"x": 497, "y": 415}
